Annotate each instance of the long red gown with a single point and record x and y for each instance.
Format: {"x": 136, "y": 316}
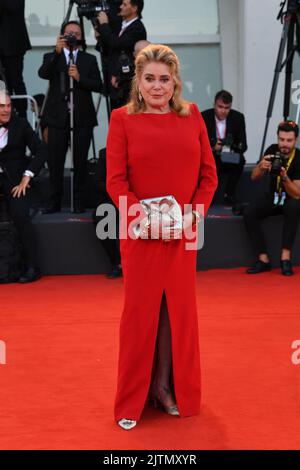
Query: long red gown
{"x": 151, "y": 155}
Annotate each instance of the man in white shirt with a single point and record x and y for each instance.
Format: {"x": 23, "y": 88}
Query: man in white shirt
{"x": 227, "y": 133}
{"x": 16, "y": 172}
{"x": 58, "y": 69}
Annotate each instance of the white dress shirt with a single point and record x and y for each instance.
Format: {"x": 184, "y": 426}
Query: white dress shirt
{"x": 221, "y": 128}
{"x": 67, "y": 55}
{"x": 125, "y": 25}
{"x": 3, "y": 143}
{"x": 3, "y": 140}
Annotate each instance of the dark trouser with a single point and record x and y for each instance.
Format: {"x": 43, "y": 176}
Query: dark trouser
{"x": 233, "y": 173}
{"x": 18, "y": 209}
{"x": 58, "y": 141}
{"x": 13, "y": 66}
{"x": 263, "y": 208}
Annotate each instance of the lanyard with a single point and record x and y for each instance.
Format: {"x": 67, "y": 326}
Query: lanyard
{"x": 279, "y": 185}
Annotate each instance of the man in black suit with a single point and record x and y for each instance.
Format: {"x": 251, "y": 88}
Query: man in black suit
{"x": 16, "y": 171}
{"x": 119, "y": 48}
{"x": 56, "y": 116}
{"x": 13, "y": 45}
{"x": 227, "y": 133}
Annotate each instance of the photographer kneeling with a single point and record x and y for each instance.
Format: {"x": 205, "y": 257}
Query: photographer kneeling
{"x": 282, "y": 165}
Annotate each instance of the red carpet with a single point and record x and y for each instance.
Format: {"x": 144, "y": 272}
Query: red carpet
{"x": 58, "y": 385}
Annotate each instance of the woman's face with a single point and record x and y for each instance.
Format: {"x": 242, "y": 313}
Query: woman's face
{"x": 156, "y": 86}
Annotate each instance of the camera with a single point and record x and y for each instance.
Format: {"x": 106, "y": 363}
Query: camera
{"x": 278, "y": 160}
{"x": 293, "y": 5}
{"x": 228, "y": 142}
{"x": 71, "y": 40}
{"x": 91, "y": 8}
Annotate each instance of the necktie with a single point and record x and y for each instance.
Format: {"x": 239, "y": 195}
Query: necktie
{"x": 122, "y": 30}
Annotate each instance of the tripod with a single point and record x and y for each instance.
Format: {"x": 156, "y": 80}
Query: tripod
{"x": 71, "y": 56}
{"x": 291, "y": 38}
{"x": 103, "y": 59}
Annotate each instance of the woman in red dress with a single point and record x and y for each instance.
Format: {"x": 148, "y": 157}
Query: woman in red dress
{"x": 158, "y": 146}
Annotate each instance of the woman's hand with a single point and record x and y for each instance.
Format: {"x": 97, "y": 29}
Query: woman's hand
{"x": 188, "y": 220}
{"x": 154, "y": 229}
{"x": 20, "y": 190}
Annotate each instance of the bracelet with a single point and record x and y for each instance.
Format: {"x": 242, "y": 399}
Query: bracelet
{"x": 146, "y": 227}
{"x": 197, "y": 216}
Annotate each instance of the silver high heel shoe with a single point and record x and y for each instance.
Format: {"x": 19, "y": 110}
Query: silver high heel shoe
{"x": 158, "y": 402}
{"x": 127, "y": 423}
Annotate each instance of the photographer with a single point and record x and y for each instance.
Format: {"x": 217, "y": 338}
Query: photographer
{"x": 119, "y": 48}
{"x": 227, "y": 133}
{"x": 281, "y": 164}
{"x": 56, "y": 116}
{"x": 13, "y": 45}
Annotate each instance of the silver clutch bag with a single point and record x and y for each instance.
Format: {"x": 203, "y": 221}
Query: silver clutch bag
{"x": 163, "y": 212}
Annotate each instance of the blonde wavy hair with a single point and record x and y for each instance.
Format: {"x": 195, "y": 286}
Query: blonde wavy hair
{"x": 165, "y": 55}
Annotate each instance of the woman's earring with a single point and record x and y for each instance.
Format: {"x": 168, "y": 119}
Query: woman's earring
{"x": 140, "y": 96}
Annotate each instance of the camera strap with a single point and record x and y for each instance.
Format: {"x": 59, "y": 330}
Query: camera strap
{"x": 279, "y": 182}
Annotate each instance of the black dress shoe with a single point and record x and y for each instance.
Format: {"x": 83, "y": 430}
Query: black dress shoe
{"x": 115, "y": 272}
{"x": 259, "y": 267}
{"x": 51, "y": 209}
{"x": 30, "y": 275}
{"x": 286, "y": 267}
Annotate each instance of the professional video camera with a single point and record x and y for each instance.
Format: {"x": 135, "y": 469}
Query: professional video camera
{"x": 293, "y": 5}
{"x": 91, "y": 8}
{"x": 278, "y": 161}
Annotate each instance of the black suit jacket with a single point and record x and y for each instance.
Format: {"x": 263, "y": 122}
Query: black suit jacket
{"x": 14, "y": 38}
{"x": 235, "y": 126}
{"x": 13, "y": 158}
{"x": 55, "y": 69}
{"x": 113, "y": 44}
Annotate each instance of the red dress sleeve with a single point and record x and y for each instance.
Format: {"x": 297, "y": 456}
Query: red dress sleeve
{"x": 208, "y": 180}
{"x": 117, "y": 183}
